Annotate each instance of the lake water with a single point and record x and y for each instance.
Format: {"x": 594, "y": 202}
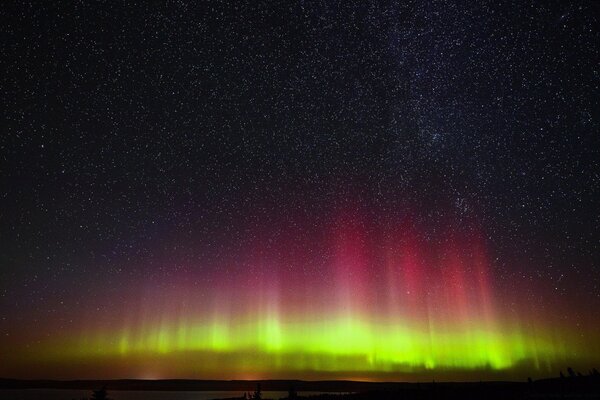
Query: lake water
{"x": 62, "y": 394}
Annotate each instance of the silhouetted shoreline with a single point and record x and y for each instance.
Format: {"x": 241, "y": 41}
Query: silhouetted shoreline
{"x": 570, "y": 387}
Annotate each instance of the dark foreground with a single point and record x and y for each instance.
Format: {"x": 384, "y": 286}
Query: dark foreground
{"x": 574, "y": 387}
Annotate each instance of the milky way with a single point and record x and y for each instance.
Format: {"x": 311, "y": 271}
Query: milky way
{"x": 300, "y": 190}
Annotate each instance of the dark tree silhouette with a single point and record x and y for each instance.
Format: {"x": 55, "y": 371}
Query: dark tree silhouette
{"x": 257, "y": 393}
{"x": 100, "y": 394}
{"x": 571, "y": 372}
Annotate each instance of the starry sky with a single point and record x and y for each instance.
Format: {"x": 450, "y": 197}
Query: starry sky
{"x": 302, "y": 189}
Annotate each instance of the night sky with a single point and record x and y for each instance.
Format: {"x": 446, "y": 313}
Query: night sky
{"x": 333, "y": 189}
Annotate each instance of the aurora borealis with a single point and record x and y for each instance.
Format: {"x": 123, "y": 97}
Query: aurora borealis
{"x": 385, "y": 301}
{"x": 300, "y": 191}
